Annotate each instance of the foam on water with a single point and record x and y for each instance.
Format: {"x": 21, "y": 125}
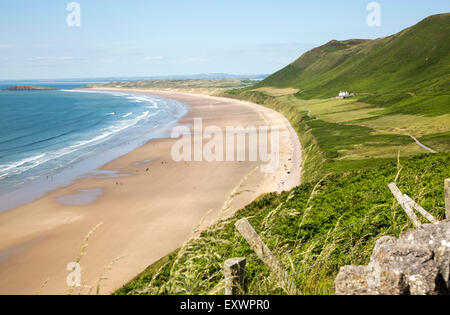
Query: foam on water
{"x": 23, "y": 163}
{"x": 105, "y": 126}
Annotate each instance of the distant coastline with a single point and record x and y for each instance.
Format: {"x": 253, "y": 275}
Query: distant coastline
{"x": 28, "y": 88}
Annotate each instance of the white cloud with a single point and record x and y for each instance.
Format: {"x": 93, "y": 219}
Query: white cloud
{"x": 154, "y": 60}
{"x": 103, "y": 60}
{"x": 43, "y": 46}
{"x": 191, "y": 60}
{"x": 150, "y": 58}
{"x": 51, "y": 58}
{"x": 6, "y": 46}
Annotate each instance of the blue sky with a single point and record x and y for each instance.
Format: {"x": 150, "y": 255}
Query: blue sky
{"x": 171, "y": 37}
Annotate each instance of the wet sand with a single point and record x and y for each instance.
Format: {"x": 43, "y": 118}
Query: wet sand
{"x": 144, "y": 216}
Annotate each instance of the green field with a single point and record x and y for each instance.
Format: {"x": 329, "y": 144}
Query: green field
{"x": 343, "y": 135}
{"x": 199, "y": 86}
{"x": 352, "y": 149}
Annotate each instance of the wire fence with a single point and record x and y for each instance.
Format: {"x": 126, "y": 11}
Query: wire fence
{"x": 285, "y": 250}
{"x": 326, "y": 235}
{"x": 310, "y": 267}
{"x": 332, "y": 257}
{"x": 192, "y": 289}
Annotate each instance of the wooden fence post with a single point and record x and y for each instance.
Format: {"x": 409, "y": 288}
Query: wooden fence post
{"x": 447, "y": 199}
{"x": 234, "y": 272}
{"x": 264, "y": 253}
{"x": 405, "y": 205}
{"x": 421, "y": 210}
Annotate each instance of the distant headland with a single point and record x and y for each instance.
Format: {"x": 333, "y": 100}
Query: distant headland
{"x": 28, "y": 88}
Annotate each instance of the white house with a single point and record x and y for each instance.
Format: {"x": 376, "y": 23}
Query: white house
{"x": 343, "y": 95}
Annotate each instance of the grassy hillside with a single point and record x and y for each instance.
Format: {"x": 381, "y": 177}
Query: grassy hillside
{"x": 313, "y": 230}
{"x": 344, "y": 135}
{"x": 415, "y": 60}
{"x": 352, "y": 149}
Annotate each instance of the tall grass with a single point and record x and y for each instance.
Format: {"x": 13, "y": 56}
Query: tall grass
{"x": 313, "y": 230}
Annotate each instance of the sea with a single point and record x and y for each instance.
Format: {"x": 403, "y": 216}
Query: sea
{"x": 50, "y": 138}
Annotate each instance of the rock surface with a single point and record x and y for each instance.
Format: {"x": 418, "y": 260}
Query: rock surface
{"x": 418, "y": 263}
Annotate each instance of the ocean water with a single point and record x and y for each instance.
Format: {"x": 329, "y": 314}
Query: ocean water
{"x": 49, "y": 138}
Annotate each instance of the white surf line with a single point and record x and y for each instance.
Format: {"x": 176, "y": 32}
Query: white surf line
{"x": 422, "y": 145}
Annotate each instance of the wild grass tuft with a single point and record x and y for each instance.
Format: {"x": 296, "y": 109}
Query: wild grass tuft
{"x": 313, "y": 230}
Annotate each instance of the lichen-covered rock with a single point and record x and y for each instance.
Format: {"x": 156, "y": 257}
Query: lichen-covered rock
{"x": 417, "y": 263}
{"x": 437, "y": 239}
{"x": 366, "y": 280}
{"x": 352, "y": 280}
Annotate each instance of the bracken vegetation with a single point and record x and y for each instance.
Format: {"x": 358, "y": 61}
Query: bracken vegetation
{"x": 313, "y": 230}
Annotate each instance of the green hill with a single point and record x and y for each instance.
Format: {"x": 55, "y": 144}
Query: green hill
{"x": 415, "y": 60}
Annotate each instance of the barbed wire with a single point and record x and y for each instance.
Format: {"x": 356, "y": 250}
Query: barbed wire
{"x": 191, "y": 289}
{"x": 332, "y": 257}
{"x": 325, "y": 236}
{"x": 292, "y": 275}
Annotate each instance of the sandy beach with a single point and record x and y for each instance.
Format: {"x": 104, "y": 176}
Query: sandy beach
{"x": 145, "y": 215}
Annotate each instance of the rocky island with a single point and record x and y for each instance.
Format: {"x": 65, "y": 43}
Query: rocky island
{"x": 28, "y": 88}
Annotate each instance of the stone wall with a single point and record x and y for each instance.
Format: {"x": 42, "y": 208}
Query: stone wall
{"x": 418, "y": 263}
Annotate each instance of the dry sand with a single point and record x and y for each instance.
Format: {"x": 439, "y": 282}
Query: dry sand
{"x": 144, "y": 216}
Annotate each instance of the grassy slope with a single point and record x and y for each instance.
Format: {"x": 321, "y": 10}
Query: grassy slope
{"x": 331, "y": 146}
{"x": 350, "y": 155}
{"x": 414, "y": 60}
{"x": 359, "y": 199}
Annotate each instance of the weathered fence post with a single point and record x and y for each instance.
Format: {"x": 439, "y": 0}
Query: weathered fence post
{"x": 421, "y": 210}
{"x": 447, "y": 199}
{"x": 264, "y": 253}
{"x": 405, "y": 205}
{"x": 234, "y": 272}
